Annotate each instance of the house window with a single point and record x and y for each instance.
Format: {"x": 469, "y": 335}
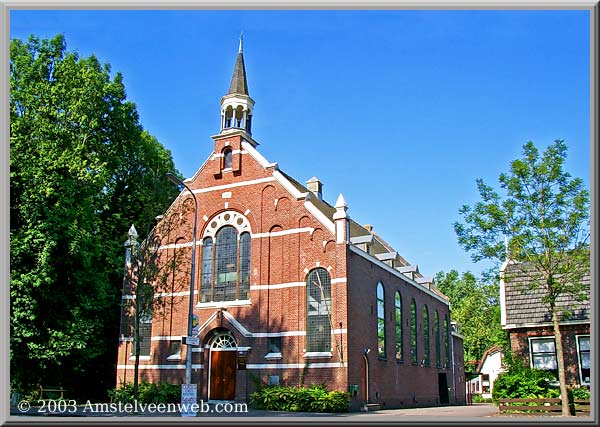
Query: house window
{"x": 413, "y": 332}
{"x": 174, "y": 350}
{"x": 426, "y": 359}
{"x": 227, "y": 157}
{"x": 583, "y": 350}
{"x": 318, "y": 309}
{"x": 145, "y": 335}
{"x": 380, "y": 321}
{"x": 485, "y": 383}
{"x": 436, "y": 333}
{"x": 399, "y": 332}
{"x": 543, "y": 354}
{"x": 229, "y": 259}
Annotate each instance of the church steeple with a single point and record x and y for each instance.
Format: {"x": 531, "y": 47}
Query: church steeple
{"x": 237, "y": 106}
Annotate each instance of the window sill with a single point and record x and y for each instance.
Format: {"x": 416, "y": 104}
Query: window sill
{"x": 317, "y": 355}
{"x": 174, "y": 357}
{"x": 273, "y": 356}
{"x": 142, "y": 358}
{"x": 220, "y": 304}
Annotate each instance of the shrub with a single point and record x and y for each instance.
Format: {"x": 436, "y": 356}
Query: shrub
{"x": 315, "y": 398}
{"x": 161, "y": 392}
{"x": 524, "y": 383}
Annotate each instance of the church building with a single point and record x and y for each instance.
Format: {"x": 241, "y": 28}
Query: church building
{"x": 288, "y": 289}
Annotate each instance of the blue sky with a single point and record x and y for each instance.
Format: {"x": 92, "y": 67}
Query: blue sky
{"x": 401, "y": 111}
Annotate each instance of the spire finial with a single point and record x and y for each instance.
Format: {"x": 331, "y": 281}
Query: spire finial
{"x": 241, "y": 42}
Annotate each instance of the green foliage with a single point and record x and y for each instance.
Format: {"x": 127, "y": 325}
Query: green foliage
{"x": 315, "y": 398}
{"x": 475, "y": 306}
{"x": 520, "y": 382}
{"x": 478, "y": 398}
{"x": 161, "y": 392}
{"x": 579, "y": 393}
{"x": 82, "y": 170}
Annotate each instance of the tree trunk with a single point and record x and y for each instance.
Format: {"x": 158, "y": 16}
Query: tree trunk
{"x": 560, "y": 362}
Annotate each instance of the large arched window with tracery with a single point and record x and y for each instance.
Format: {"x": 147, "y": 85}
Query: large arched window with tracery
{"x": 226, "y": 259}
{"x": 318, "y": 311}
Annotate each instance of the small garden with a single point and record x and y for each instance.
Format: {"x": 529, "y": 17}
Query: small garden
{"x": 161, "y": 392}
{"x": 315, "y": 398}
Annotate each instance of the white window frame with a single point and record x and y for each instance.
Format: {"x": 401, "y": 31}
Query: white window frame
{"x": 531, "y": 339}
{"x": 581, "y": 381}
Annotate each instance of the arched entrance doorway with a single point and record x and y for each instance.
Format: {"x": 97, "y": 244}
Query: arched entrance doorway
{"x": 222, "y": 367}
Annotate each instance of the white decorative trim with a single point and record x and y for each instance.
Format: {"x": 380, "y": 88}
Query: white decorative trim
{"x": 197, "y": 350}
{"x": 245, "y": 332}
{"x": 233, "y": 185}
{"x": 320, "y": 216}
{"x": 194, "y": 366}
{"x": 285, "y": 183}
{"x": 503, "y": 293}
{"x": 232, "y": 218}
{"x": 295, "y": 365}
{"x": 541, "y": 324}
{"x": 279, "y": 334}
{"x": 142, "y": 358}
{"x": 125, "y": 339}
{"x": 577, "y": 337}
{"x": 174, "y": 357}
{"x": 396, "y": 273}
{"x": 317, "y": 354}
{"x": 273, "y": 356}
{"x": 173, "y": 294}
{"x": 257, "y": 156}
{"x": 166, "y": 338}
{"x": 207, "y": 322}
{"x": 291, "y": 284}
{"x": 283, "y": 232}
{"x": 224, "y": 304}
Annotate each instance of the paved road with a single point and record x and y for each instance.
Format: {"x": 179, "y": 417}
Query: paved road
{"x": 475, "y": 412}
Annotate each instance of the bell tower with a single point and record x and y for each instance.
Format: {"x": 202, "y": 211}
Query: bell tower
{"x": 237, "y": 107}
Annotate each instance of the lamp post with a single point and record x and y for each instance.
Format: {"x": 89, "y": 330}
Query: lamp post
{"x": 188, "y": 361}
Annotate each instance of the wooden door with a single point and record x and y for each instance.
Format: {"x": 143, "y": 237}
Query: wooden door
{"x": 222, "y": 375}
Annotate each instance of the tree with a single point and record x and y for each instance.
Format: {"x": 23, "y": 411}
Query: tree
{"x": 475, "y": 306}
{"x": 82, "y": 170}
{"x": 542, "y": 225}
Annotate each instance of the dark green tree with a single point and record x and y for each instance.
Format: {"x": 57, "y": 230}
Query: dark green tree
{"x": 82, "y": 170}
{"x": 475, "y": 306}
{"x": 542, "y": 225}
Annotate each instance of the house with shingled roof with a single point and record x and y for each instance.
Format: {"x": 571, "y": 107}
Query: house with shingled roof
{"x": 289, "y": 289}
{"x": 529, "y": 324}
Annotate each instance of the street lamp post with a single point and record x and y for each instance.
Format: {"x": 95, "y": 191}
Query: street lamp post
{"x": 188, "y": 361}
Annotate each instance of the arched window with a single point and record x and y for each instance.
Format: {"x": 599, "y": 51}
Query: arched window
{"x": 227, "y": 158}
{"x": 380, "y": 320}
{"x": 426, "y": 346}
{"x": 226, "y": 266}
{"x": 413, "y": 332}
{"x": 399, "y": 332}
{"x": 207, "y": 270}
{"x": 436, "y": 332}
{"x": 318, "y": 311}
{"x": 446, "y": 341}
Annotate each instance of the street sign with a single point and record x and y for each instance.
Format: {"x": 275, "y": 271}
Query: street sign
{"x": 190, "y": 340}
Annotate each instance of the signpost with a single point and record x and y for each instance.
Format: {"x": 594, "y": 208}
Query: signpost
{"x": 189, "y": 400}
{"x": 190, "y": 341}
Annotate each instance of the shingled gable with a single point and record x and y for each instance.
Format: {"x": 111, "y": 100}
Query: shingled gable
{"x": 522, "y": 306}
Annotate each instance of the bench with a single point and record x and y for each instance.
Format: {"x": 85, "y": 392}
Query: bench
{"x": 51, "y": 393}
{"x": 545, "y": 405}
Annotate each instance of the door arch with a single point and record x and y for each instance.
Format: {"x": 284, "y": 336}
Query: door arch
{"x": 222, "y": 367}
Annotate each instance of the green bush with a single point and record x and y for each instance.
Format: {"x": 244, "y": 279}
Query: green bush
{"x": 579, "y": 393}
{"x": 161, "y": 392}
{"x": 524, "y": 383}
{"x": 315, "y": 398}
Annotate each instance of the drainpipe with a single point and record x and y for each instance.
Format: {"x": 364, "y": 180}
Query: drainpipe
{"x": 452, "y": 357}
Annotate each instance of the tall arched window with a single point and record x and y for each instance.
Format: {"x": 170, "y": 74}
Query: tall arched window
{"x": 226, "y": 266}
{"x": 399, "y": 334}
{"x": 446, "y": 341}
{"x": 436, "y": 332}
{"x": 244, "y": 282}
{"x": 207, "y": 270}
{"x": 318, "y": 311}
{"x": 413, "y": 332}
{"x": 380, "y": 320}
{"x": 426, "y": 346}
{"x": 227, "y": 157}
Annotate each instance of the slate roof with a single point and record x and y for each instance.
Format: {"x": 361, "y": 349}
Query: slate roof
{"x": 524, "y": 305}
{"x": 239, "y": 85}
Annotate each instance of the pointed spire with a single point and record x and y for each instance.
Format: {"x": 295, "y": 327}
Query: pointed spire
{"x": 240, "y": 50}
{"x": 238, "y": 80}
{"x": 341, "y": 202}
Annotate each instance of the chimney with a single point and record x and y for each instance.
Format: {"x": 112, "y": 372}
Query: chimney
{"x": 369, "y": 228}
{"x": 315, "y": 186}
